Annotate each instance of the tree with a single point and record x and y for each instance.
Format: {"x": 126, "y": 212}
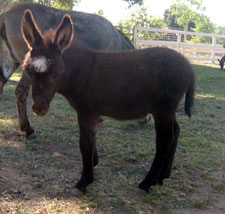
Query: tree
{"x": 141, "y": 18}
{"x": 61, "y": 4}
{"x": 187, "y": 14}
{"x": 170, "y": 19}
{"x": 204, "y": 24}
{"x": 64, "y": 4}
{"x": 184, "y": 13}
{"x": 220, "y": 30}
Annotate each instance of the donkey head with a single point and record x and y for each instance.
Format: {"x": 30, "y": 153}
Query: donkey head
{"x": 221, "y": 62}
{"x": 44, "y": 62}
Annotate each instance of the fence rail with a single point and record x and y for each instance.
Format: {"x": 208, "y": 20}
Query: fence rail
{"x": 182, "y": 41}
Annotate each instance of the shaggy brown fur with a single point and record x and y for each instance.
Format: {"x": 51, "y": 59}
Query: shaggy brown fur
{"x": 123, "y": 85}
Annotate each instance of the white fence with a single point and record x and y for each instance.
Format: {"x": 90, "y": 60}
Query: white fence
{"x": 184, "y": 42}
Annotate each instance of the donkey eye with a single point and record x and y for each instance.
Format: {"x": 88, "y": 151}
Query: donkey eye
{"x": 54, "y": 77}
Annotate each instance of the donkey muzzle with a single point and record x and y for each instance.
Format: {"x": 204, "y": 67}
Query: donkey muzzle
{"x": 40, "y": 109}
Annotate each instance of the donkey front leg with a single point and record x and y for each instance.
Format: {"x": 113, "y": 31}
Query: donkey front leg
{"x": 21, "y": 92}
{"x": 164, "y": 142}
{"x": 87, "y": 125}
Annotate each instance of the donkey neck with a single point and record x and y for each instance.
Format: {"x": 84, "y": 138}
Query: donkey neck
{"x": 83, "y": 63}
{"x": 78, "y": 60}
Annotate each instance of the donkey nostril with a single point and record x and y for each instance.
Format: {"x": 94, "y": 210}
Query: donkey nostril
{"x": 43, "y": 112}
{"x": 40, "y": 110}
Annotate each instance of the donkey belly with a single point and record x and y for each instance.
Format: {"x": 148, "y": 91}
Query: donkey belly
{"x": 126, "y": 115}
{"x": 126, "y": 109}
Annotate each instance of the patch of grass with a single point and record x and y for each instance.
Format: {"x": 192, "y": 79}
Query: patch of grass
{"x": 20, "y": 209}
{"x": 220, "y": 187}
{"x": 200, "y": 204}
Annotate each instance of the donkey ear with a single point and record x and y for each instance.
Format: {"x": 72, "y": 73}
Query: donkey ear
{"x": 30, "y": 31}
{"x": 64, "y": 34}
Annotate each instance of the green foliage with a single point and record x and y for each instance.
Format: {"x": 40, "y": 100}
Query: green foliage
{"x": 101, "y": 13}
{"x": 170, "y": 19}
{"x": 60, "y": 4}
{"x": 140, "y": 17}
{"x": 64, "y": 4}
{"x": 187, "y": 14}
{"x": 194, "y": 4}
{"x": 183, "y": 13}
{"x": 203, "y": 24}
{"x": 220, "y": 30}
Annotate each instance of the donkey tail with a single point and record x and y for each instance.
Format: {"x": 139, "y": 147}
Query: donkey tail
{"x": 189, "y": 98}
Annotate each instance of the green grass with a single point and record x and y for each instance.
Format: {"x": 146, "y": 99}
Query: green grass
{"x": 33, "y": 180}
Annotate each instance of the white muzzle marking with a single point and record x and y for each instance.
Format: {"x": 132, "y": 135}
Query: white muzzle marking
{"x": 40, "y": 64}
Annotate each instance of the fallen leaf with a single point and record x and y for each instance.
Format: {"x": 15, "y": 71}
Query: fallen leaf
{"x": 56, "y": 155}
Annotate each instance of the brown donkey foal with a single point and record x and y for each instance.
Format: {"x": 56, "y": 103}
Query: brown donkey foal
{"x": 123, "y": 85}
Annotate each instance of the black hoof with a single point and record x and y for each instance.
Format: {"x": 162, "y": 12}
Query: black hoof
{"x": 144, "y": 186}
{"x": 162, "y": 177}
{"x": 31, "y": 136}
{"x": 81, "y": 187}
{"x": 82, "y": 184}
{"x": 95, "y": 160}
{"x": 142, "y": 192}
{"x": 160, "y": 182}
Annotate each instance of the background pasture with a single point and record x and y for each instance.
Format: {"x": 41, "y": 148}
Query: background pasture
{"x": 38, "y": 176}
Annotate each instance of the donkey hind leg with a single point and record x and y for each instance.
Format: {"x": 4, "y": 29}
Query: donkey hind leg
{"x": 21, "y": 92}
{"x": 164, "y": 142}
{"x": 167, "y": 167}
{"x": 95, "y": 156}
{"x": 88, "y": 150}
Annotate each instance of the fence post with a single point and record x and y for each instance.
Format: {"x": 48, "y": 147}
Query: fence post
{"x": 135, "y": 36}
{"x": 121, "y": 29}
{"x": 179, "y": 42}
{"x": 213, "y": 48}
